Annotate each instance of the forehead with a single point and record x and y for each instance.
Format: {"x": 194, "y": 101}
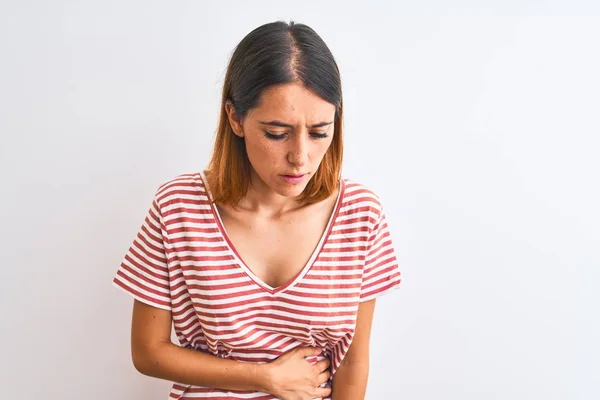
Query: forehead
{"x": 293, "y": 101}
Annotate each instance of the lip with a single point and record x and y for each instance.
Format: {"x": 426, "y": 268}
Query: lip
{"x": 293, "y": 179}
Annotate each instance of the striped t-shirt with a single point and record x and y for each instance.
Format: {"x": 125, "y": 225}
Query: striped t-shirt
{"x": 183, "y": 261}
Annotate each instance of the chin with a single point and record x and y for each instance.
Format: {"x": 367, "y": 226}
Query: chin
{"x": 290, "y": 191}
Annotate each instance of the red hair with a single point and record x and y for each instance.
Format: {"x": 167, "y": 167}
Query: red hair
{"x": 272, "y": 54}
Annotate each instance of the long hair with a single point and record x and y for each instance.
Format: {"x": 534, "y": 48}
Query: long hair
{"x": 272, "y": 54}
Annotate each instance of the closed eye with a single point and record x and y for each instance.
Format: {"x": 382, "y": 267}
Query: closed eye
{"x": 282, "y": 136}
{"x": 275, "y": 137}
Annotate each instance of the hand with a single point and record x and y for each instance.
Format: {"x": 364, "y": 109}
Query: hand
{"x": 292, "y": 377}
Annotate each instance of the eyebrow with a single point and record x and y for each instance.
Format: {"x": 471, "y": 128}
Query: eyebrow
{"x": 284, "y": 125}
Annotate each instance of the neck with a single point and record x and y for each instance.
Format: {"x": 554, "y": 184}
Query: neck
{"x": 263, "y": 201}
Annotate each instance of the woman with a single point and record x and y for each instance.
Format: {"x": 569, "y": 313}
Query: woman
{"x": 269, "y": 262}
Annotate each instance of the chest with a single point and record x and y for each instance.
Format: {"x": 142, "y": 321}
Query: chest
{"x": 276, "y": 250}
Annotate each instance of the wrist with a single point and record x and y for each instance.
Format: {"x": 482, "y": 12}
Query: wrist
{"x": 262, "y": 377}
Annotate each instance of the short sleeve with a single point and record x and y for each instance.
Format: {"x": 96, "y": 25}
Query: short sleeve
{"x": 144, "y": 272}
{"x": 381, "y": 273}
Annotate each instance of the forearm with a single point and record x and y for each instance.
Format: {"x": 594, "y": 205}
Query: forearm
{"x": 187, "y": 366}
{"x": 350, "y": 381}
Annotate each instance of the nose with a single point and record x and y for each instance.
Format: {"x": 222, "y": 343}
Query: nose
{"x": 298, "y": 150}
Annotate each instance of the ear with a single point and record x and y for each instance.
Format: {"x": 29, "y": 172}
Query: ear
{"x": 234, "y": 121}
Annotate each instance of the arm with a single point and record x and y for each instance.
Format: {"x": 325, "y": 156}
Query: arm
{"x": 155, "y": 355}
{"x": 350, "y": 380}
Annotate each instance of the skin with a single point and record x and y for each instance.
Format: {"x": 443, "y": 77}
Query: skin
{"x": 270, "y": 218}
{"x": 299, "y": 149}
{"x": 275, "y": 234}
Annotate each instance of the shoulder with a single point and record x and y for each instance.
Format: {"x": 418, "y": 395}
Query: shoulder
{"x": 182, "y": 186}
{"x": 359, "y": 198}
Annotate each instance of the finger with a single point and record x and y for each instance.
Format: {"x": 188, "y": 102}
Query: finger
{"x": 323, "y": 377}
{"x": 323, "y": 364}
{"x": 323, "y": 392}
{"x": 309, "y": 351}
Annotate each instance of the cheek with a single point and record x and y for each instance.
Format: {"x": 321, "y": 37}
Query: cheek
{"x": 322, "y": 147}
{"x": 261, "y": 152}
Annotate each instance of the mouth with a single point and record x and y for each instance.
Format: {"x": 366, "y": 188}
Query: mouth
{"x": 293, "y": 179}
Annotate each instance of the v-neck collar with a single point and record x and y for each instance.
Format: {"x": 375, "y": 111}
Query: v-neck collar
{"x": 266, "y": 287}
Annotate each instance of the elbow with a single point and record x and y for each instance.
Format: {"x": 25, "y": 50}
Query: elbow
{"x": 146, "y": 358}
{"x": 141, "y": 358}
{"x": 139, "y": 361}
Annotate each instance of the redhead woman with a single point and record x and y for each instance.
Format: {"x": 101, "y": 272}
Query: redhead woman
{"x": 268, "y": 262}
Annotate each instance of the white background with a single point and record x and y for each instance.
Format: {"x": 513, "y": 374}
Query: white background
{"x": 476, "y": 123}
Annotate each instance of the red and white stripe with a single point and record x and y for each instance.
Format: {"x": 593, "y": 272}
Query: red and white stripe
{"x": 182, "y": 260}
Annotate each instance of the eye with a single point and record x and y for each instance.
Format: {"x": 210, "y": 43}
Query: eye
{"x": 282, "y": 136}
{"x": 271, "y": 136}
